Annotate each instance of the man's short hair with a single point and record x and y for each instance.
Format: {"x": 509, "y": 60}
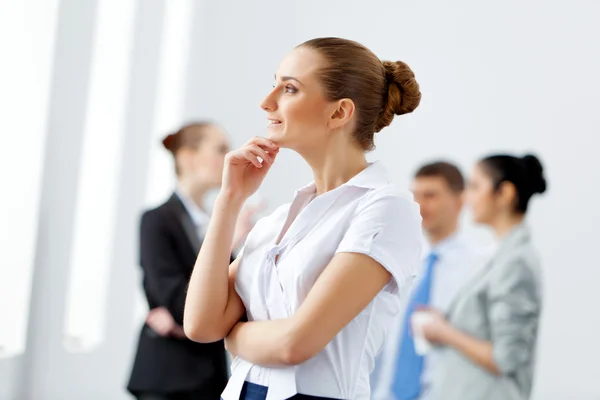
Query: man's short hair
{"x": 445, "y": 170}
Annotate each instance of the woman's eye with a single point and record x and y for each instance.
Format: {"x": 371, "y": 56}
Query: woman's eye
{"x": 289, "y": 89}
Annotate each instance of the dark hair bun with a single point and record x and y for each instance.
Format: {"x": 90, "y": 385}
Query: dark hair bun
{"x": 403, "y": 96}
{"x": 170, "y": 142}
{"x": 535, "y": 173}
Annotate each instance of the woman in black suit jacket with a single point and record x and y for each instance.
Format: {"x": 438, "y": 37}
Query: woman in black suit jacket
{"x": 167, "y": 365}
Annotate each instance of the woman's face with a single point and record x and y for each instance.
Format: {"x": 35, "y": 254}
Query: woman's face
{"x": 297, "y": 109}
{"x": 481, "y": 196}
{"x": 204, "y": 165}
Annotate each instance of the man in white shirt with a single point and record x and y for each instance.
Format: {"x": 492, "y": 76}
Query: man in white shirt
{"x": 438, "y": 188}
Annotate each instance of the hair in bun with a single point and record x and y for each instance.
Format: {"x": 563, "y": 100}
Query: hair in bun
{"x": 378, "y": 89}
{"x": 525, "y": 173}
{"x": 403, "y": 94}
{"x": 189, "y": 136}
{"x": 170, "y": 142}
{"x": 535, "y": 173}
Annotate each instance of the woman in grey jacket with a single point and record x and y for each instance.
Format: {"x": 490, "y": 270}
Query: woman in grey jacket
{"x": 488, "y": 336}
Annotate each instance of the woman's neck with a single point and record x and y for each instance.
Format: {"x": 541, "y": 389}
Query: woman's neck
{"x": 502, "y": 226}
{"x": 194, "y": 191}
{"x": 335, "y": 165}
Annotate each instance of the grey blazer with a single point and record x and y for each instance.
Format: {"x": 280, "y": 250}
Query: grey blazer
{"x": 500, "y": 304}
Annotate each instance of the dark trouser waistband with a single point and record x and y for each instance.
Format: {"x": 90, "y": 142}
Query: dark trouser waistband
{"x": 252, "y": 391}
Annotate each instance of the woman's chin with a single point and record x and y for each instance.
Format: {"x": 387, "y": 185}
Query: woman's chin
{"x": 277, "y": 137}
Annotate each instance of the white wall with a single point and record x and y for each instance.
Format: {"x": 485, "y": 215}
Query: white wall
{"x": 514, "y": 76}
{"x": 47, "y": 370}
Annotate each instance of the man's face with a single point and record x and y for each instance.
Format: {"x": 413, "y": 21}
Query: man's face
{"x": 440, "y": 205}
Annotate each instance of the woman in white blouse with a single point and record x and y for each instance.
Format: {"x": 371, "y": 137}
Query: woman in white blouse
{"x": 320, "y": 279}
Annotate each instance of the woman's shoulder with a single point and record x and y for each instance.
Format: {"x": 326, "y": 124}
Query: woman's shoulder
{"x": 165, "y": 216}
{"x": 389, "y": 196}
{"x": 157, "y": 214}
{"x": 517, "y": 251}
{"x": 166, "y": 208}
{"x": 521, "y": 263}
{"x": 390, "y": 190}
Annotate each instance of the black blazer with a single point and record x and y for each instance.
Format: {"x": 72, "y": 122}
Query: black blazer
{"x": 169, "y": 245}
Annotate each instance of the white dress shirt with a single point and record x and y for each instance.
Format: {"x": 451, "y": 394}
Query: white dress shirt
{"x": 367, "y": 215}
{"x": 457, "y": 261}
{"x": 200, "y": 218}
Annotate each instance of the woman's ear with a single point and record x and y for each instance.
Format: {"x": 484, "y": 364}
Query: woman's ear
{"x": 507, "y": 195}
{"x": 342, "y": 113}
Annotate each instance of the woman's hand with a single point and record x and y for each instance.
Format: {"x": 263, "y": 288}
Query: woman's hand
{"x": 437, "y": 328}
{"x": 244, "y": 172}
{"x": 161, "y": 321}
{"x": 441, "y": 332}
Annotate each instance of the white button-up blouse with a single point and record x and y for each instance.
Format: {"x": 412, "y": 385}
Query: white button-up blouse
{"x": 367, "y": 215}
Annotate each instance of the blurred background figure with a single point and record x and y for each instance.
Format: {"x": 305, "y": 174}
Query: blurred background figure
{"x": 438, "y": 188}
{"x": 487, "y": 339}
{"x": 168, "y": 366}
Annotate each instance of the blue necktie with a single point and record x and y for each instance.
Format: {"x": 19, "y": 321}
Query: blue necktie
{"x": 409, "y": 365}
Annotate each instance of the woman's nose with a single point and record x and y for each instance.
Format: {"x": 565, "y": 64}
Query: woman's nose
{"x": 269, "y": 103}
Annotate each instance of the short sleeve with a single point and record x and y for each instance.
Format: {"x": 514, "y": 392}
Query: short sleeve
{"x": 514, "y": 310}
{"x": 387, "y": 228}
